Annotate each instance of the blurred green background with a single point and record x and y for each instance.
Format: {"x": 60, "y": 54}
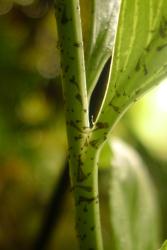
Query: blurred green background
{"x": 33, "y": 145}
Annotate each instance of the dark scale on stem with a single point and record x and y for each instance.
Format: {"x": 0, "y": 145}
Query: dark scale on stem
{"x": 138, "y": 65}
{"x": 81, "y": 176}
{"x": 59, "y": 6}
{"x": 145, "y": 69}
{"x": 102, "y": 125}
{"x": 105, "y": 134}
{"x": 163, "y": 28}
{"x": 85, "y": 128}
{"x": 83, "y": 237}
{"x": 65, "y": 19}
{"x": 141, "y": 65}
{"x": 94, "y": 143}
{"x": 70, "y": 148}
{"x": 77, "y": 45}
{"x": 85, "y": 209}
{"x": 125, "y": 94}
{"x": 72, "y": 124}
{"x": 73, "y": 81}
{"x": 159, "y": 48}
{"x": 148, "y": 48}
{"x": 78, "y": 8}
{"x": 86, "y": 143}
{"x": 104, "y": 137}
{"x": 115, "y": 108}
{"x": 117, "y": 93}
{"x": 71, "y": 58}
{"x": 79, "y": 137}
{"x": 77, "y": 121}
{"x": 78, "y": 97}
{"x": 138, "y": 92}
{"x": 80, "y": 162}
{"x": 83, "y": 199}
{"x": 66, "y": 69}
{"x": 62, "y": 50}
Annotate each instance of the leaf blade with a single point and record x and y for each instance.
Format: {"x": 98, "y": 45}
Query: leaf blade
{"x": 139, "y": 211}
{"x": 134, "y": 68}
{"x": 103, "y": 22}
{"x": 164, "y": 246}
{"x": 132, "y": 200}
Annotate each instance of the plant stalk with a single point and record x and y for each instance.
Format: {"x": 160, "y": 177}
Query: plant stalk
{"x": 85, "y": 189}
{"x": 82, "y": 155}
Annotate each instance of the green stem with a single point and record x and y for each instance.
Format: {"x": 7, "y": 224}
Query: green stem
{"x": 87, "y": 205}
{"x": 82, "y": 160}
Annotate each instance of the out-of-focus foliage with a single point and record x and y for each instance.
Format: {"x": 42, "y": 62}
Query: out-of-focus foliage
{"x": 32, "y": 132}
{"x": 133, "y": 204}
{"x": 146, "y": 130}
{"x": 34, "y": 8}
{"x": 132, "y": 190}
{"x": 151, "y": 122}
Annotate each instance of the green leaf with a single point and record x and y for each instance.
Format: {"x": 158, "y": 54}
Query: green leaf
{"x": 133, "y": 205}
{"x": 139, "y": 57}
{"x": 164, "y": 246}
{"x": 101, "y": 28}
